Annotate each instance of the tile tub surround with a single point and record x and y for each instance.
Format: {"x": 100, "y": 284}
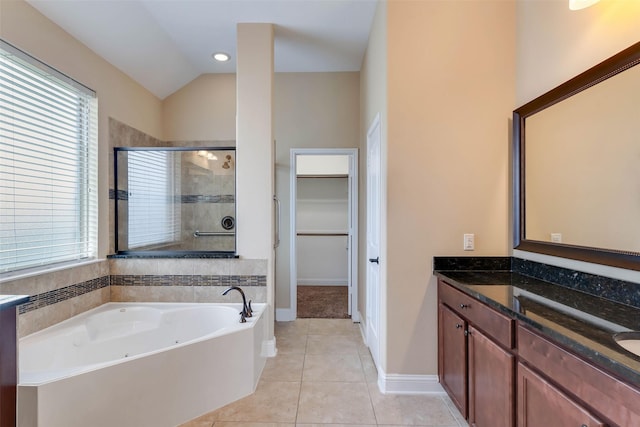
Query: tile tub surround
{"x": 58, "y": 295}
{"x": 187, "y": 280}
{"x": 324, "y": 374}
{"x": 616, "y": 290}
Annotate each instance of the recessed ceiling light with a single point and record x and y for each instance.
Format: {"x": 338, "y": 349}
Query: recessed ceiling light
{"x": 221, "y": 56}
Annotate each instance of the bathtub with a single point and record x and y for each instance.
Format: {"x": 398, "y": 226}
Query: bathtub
{"x": 139, "y": 364}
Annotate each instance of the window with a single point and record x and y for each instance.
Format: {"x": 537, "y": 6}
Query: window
{"x": 154, "y": 215}
{"x": 48, "y": 165}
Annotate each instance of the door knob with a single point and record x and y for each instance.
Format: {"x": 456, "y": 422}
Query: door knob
{"x": 376, "y": 260}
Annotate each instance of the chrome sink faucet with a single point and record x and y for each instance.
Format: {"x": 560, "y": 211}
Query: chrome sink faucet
{"x": 246, "y": 307}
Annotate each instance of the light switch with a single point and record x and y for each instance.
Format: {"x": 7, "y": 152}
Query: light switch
{"x": 469, "y": 243}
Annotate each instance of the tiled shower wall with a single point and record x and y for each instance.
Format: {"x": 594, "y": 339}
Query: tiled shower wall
{"x": 58, "y": 295}
{"x": 123, "y": 135}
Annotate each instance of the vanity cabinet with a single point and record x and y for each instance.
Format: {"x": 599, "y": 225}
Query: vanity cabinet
{"x": 8, "y": 364}
{"x": 452, "y": 356}
{"x": 553, "y": 379}
{"x": 491, "y": 382}
{"x": 541, "y": 404}
{"x": 475, "y": 364}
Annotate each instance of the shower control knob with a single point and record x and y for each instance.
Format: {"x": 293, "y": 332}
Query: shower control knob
{"x": 228, "y": 222}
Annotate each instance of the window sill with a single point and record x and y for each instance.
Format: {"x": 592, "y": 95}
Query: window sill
{"x": 37, "y": 271}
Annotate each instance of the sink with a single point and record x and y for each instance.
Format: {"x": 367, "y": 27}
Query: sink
{"x": 630, "y": 341}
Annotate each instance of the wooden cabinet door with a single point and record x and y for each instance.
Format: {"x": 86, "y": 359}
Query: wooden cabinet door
{"x": 8, "y": 367}
{"x": 540, "y": 404}
{"x": 491, "y": 382}
{"x": 452, "y": 356}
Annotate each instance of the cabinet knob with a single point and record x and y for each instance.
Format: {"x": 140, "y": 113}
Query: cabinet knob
{"x": 464, "y": 305}
{"x": 458, "y": 326}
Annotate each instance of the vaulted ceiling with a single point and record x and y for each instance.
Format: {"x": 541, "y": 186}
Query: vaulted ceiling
{"x": 164, "y": 44}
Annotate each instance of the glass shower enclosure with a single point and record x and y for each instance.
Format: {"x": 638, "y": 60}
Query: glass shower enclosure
{"x": 175, "y": 200}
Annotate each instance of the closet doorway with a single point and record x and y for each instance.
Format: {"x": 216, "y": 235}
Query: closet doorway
{"x": 324, "y": 239}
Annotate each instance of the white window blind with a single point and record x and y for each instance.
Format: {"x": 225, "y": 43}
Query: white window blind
{"x": 48, "y": 165}
{"x": 154, "y": 216}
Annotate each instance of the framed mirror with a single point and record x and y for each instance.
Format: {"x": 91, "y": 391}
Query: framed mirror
{"x": 577, "y": 166}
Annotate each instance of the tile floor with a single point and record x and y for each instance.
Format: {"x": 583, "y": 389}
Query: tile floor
{"x": 324, "y": 374}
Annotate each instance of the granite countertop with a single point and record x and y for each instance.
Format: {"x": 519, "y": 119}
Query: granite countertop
{"x": 581, "y": 322}
{"x": 8, "y": 301}
{"x": 173, "y": 254}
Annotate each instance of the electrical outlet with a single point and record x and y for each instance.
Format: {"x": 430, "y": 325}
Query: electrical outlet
{"x": 469, "y": 242}
{"x": 556, "y": 237}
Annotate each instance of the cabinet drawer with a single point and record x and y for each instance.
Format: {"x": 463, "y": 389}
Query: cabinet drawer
{"x": 494, "y": 324}
{"x": 606, "y": 395}
{"x": 540, "y": 404}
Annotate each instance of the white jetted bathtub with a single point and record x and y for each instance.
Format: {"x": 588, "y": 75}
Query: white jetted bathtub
{"x": 139, "y": 364}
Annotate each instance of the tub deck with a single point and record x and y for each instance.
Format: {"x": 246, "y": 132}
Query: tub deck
{"x": 207, "y": 368}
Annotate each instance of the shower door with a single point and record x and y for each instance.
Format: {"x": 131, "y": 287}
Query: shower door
{"x": 175, "y": 200}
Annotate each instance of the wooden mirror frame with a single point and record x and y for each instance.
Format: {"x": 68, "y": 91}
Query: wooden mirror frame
{"x": 606, "y": 69}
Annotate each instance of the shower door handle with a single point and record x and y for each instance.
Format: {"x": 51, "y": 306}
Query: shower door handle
{"x": 277, "y": 222}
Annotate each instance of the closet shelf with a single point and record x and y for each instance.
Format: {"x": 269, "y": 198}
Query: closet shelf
{"x": 324, "y": 176}
{"x": 321, "y": 233}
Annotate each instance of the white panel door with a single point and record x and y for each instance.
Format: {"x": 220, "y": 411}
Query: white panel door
{"x": 373, "y": 239}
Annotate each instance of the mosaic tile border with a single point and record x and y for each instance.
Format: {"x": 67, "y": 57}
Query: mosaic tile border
{"x": 187, "y": 280}
{"x": 123, "y": 195}
{"x": 58, "y": 295}
{"x": 207, "y": 198}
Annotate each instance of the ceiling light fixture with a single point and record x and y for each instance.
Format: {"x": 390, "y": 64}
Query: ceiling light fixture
{"x": 581, "y": 4}
{"x": 221, "y": 56}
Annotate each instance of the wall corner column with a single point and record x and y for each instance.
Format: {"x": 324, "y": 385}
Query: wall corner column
{"x": 255, "y": 148}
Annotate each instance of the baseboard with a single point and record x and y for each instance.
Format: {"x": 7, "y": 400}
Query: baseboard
{"x": 322, "y": 282}
{"x": 409, "y": 384}
{"x": 285, "y": 315}
{"x": 269, "y": 348}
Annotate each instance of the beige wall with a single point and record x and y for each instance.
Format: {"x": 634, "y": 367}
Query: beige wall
{"x": 572, "y": 41}
{"x": 451, "y": 80}
{"x": 555, "y": 43}
{"x": 312, "y": 110}
{"x": 373, "y": 102}
{"x": 254, "y": 148}
{"x": 202, "y": 110}
{"x": 118, "y": 95}
{"x": 255, "y": 151}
